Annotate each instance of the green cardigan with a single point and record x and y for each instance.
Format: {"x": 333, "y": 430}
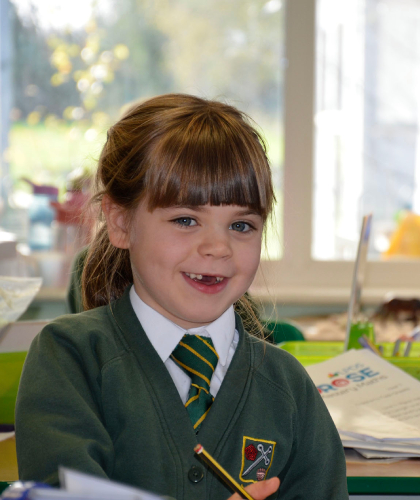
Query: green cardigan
{"x": 95, "y": 396}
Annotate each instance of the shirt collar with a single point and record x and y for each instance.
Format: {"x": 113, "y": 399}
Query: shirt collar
{"x": 165, "y": 335}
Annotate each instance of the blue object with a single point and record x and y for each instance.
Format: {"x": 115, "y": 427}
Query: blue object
{"x": 20, "y": 490}
{"x": 41, "y": 215}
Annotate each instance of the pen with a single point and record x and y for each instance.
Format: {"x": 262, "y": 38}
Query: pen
{"x": 396, "y": 350}
{"x": 220, "y": 471}
{"x": 407, "y": 349}
{"x": 365, "y": 342}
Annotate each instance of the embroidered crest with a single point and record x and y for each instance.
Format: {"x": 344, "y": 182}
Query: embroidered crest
{"x": 257, "y": 457}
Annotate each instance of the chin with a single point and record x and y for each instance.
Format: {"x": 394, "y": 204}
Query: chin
{"x": 202, "y": 319}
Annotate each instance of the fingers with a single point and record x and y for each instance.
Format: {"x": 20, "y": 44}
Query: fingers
{"x": 260, "y": 490}
{"x": 263, "y": 489}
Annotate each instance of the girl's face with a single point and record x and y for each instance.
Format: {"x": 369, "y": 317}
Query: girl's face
{"x": 190, "y": 263}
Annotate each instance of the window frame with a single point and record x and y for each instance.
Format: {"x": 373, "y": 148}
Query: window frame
{"x": 297, "y": 277}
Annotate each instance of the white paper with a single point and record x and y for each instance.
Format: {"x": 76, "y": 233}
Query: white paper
{"x": 354, "y": 456}
{"x": 385, "y": 454}
{"x": 369, "y": 398}
{"x": 85, "y": 485}
{"x": 6, "y": 435}
{"x": 59, "y": 494}
{"x": 382, "y": 446}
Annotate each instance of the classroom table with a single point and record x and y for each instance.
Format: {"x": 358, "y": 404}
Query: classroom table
{"x": 399, "y": 480}
{"x": 8, "y": 463}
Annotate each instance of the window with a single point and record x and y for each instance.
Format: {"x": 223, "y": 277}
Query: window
{"x": 69, "y": 68}
{"x": 351, "y": 147}
{"x": 365, "y": 123}
{"x": 348, "y": 83}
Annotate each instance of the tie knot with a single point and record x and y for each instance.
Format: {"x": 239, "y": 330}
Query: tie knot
{"x": 197, "y": 356}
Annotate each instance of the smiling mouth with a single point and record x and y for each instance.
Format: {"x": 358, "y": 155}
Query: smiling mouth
{"x": 205, "y": 279}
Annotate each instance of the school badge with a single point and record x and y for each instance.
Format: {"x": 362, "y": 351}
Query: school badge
{"x": 257, "y": 457}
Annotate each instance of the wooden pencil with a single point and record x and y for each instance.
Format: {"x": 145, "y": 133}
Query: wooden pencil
{"x": 221, "y": 472}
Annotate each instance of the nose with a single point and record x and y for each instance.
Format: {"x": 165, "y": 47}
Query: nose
{"x": 215, "y": 243}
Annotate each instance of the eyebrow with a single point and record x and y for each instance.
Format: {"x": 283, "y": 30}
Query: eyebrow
{"x": 248, "y": 212}
{"x": 202, "y": 208}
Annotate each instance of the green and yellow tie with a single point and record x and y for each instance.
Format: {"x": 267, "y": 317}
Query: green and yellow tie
{"x": 198, "y": 358}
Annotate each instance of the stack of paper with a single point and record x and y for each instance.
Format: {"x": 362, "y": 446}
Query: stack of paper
{"x": 375, "y": 405}
{"x": 78, "y": 486}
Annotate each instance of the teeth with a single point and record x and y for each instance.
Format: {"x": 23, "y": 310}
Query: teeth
{"x": 200, "y": 277}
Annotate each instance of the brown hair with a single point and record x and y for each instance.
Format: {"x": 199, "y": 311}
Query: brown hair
{"x": 173, "y": 149}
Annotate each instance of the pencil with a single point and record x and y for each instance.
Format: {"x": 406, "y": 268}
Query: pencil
{"x": 369, "y": 344}
{"x": 220, "y": 471}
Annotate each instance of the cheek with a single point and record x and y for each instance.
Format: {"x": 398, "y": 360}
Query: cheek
{"x": 250, "y": 258}
{"x": 158, "y": 256}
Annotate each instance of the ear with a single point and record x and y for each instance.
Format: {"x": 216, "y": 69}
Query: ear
{"x": 116, "y": 222}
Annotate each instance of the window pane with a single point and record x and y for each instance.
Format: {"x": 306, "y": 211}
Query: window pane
{"x": 75, "y": 65}
{"x": 366, "y": 127}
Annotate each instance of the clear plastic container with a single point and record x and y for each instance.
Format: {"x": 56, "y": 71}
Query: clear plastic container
{"x": 41, "y": 215}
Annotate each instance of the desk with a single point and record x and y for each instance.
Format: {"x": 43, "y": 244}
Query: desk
{"x": 399, "y": 478}
{"x": 8, "y": 462}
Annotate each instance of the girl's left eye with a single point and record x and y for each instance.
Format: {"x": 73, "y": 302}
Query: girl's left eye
{"x": 242, "y": 227}
{"x": 185, "y": 221}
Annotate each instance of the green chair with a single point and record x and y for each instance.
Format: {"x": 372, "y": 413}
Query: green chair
{"x": 282, "y": 331}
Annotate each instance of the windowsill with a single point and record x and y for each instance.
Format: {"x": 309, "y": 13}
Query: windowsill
{"x": 323, "y": 295}
{"x": 283, "y": 295}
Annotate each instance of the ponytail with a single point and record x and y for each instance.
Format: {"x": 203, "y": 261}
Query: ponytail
{"x": 106, "y": 273}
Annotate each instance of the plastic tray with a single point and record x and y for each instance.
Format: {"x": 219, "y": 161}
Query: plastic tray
{"x": 309, "y": 353}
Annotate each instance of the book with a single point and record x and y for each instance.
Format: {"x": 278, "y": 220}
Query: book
{"x": 374, "y": 405}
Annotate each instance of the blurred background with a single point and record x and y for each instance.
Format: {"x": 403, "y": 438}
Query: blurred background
{"x": 68, "y": 69}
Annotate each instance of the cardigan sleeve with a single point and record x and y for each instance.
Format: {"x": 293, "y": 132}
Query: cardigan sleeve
{"x": 316, "y": 467}
{"x": 58, "y": 416}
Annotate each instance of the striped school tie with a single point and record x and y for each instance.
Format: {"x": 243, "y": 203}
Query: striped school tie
{"x": 198, "y": 358}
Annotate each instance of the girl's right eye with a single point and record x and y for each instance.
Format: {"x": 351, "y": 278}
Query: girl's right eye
{"x": 185, "y": 221}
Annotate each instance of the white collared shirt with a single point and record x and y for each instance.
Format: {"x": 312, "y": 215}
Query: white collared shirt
{"x": 165, "y": 335}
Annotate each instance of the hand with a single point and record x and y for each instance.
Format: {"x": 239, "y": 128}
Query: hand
{"x": 260, "y": 490}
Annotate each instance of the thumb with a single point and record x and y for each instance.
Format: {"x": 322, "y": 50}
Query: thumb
{"x": 260, "y": 490}
{"x": 263, "y": 489}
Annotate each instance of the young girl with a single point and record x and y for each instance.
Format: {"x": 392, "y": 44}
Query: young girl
{"x": 185, "y": 189}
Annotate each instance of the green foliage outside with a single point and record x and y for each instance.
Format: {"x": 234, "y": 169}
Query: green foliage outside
{"x": 50, "y": 153}
{"x": 70, "y": 85}
{"x": 81, "y": 78}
